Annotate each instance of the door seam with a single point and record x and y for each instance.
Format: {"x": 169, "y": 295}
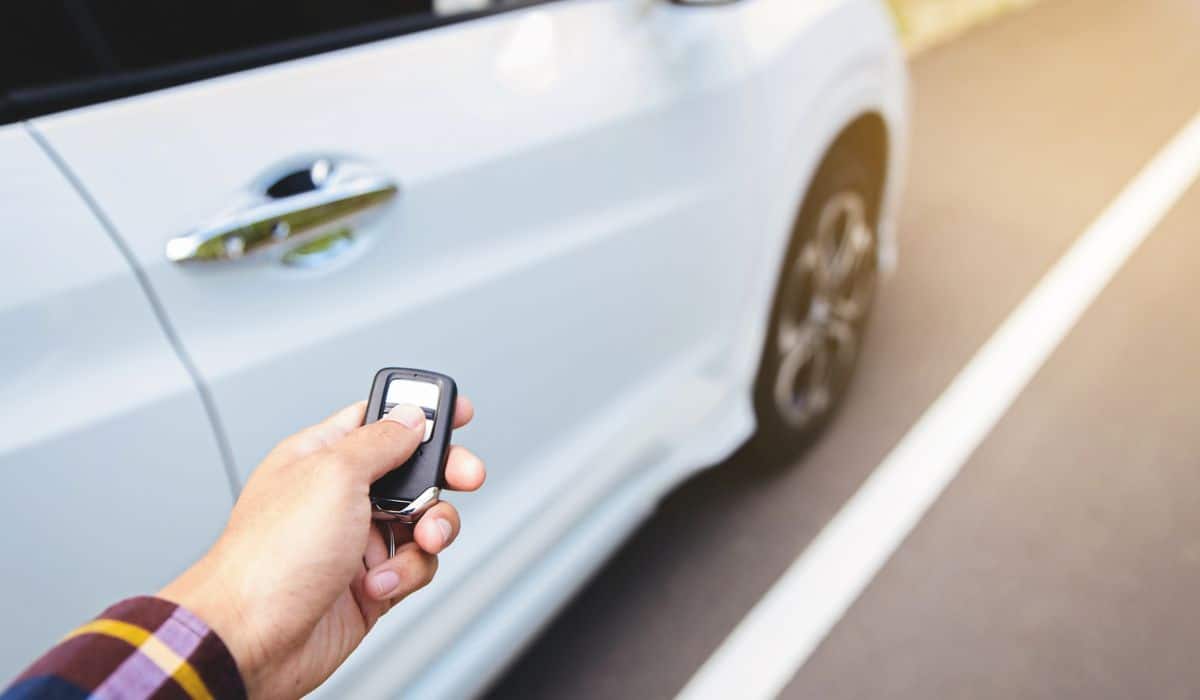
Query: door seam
{"x": 156, "y": 306}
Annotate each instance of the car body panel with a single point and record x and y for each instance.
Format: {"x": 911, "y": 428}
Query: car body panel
{"x": 559, "y": 167}
{"x": 595, "y": 195}
{"x": 853, "y": 65}
{"x": 112, "y": 478}
{"x": 868, "y": 77}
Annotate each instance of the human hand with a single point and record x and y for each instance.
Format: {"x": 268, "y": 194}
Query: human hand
{"x": 300, "y": 574}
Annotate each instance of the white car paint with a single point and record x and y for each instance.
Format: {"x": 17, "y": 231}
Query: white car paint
{"x": 112, "y": 480}
{"x": 594, "y": 198}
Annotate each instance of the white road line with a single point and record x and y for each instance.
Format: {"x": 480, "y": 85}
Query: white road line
{"x": 774, "y": 640}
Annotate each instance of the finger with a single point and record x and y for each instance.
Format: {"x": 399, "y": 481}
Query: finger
{"x": 377, "y": 551}
{"x": 376, "y": 449}
{"x": 410, "y": 570}
{"x": 437, "y": 528}
{"x": 403, "y": 532}
{"x": 346, "y": 419}
{"x": 464, "y": 471}
{"x": 323, "y": 434}
{"x": 370, "y": 608}
{"x": 464, "y": 411}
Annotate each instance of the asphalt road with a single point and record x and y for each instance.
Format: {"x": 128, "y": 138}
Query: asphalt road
{"x": 1064, "y": 561}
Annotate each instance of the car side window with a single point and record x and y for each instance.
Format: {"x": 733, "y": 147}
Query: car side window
{"x": 58, "y": 54}
{"x": 40, "y": 46}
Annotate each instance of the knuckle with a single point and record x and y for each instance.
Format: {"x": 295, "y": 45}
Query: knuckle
{"x": 288, "y": 444}
{"x": 391, "y": 431}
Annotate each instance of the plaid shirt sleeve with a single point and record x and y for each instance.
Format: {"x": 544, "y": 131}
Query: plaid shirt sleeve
{"x": 139, "y": 648}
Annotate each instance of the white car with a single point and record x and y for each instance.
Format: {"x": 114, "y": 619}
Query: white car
{"x": 634, "y": 231}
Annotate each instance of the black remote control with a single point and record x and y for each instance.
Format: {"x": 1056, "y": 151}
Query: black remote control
{"x": 406, "y": 492}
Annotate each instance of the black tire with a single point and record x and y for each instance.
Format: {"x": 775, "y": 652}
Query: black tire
{"x": 815, "y": 313}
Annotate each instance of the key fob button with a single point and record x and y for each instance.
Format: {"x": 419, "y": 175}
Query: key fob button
{"x": 414, "y": 391}
{"x": 423, "y": 394}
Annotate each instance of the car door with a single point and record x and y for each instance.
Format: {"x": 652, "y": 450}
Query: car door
{"x": 548, "y": 203}
{"x": 112, "y": 480}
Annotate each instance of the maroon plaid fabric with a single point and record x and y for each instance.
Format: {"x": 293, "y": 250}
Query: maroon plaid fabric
{"x": 139, "y": 648}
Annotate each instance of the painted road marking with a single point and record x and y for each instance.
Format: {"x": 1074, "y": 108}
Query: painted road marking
{"x": 781, "y": 631}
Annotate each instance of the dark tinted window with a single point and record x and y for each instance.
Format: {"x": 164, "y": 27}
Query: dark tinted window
{"x": 149, "y": 33}
{"x": 56, "y": 54}
{"x": 40, "y": 44}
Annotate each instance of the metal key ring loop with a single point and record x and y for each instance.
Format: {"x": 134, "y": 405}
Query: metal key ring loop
{"x": 409, "y": 513}
{"x": 390, "y": 537}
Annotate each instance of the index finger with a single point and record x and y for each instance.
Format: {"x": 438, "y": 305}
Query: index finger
{"x": 464, "y": 471}
{"x": 464, "y": 411}
{"x": 323, "y": 434}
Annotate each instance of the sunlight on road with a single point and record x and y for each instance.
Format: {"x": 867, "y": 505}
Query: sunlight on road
{"x": 928, "y": 22}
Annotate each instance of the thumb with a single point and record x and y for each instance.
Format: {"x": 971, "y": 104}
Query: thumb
{"x": 378, "y": 448}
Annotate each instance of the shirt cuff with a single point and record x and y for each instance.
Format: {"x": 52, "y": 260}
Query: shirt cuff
{"x": 137, "y": 648}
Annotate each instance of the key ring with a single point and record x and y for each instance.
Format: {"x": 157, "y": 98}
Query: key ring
{"x": 407, "y": 512}
{"x": 389, "y": 537}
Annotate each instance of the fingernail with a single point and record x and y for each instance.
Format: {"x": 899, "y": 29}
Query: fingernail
{"x": 384, "y": 583}
{"x": 444, "y": 527}
{"x": 408, "y": 415}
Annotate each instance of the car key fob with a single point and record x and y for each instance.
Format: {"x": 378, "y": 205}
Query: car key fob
{"x": 406, "y": 492}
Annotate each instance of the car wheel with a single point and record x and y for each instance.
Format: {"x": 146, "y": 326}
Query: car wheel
{"x": 824, "y": 297}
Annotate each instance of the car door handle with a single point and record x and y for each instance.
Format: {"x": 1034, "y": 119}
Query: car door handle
{"x": 320, "y": 197}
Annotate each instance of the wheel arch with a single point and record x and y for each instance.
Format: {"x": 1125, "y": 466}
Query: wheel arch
{"x": 868, "y": 137}
{"x": 865, "y": 109}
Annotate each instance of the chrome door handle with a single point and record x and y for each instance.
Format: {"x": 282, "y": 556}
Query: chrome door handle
{"x": 320, "y": 197}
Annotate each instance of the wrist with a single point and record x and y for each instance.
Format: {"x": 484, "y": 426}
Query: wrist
{"x": 204, "y": 595}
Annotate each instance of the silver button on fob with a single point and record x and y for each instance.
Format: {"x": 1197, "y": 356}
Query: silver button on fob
{"x": 406, "y": 492}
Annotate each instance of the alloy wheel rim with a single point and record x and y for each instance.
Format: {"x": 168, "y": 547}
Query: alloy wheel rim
{"x": 829, "y": 289}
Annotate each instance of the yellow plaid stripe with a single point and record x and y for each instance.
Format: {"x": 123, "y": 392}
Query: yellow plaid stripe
{"x": 152, "y": 648}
